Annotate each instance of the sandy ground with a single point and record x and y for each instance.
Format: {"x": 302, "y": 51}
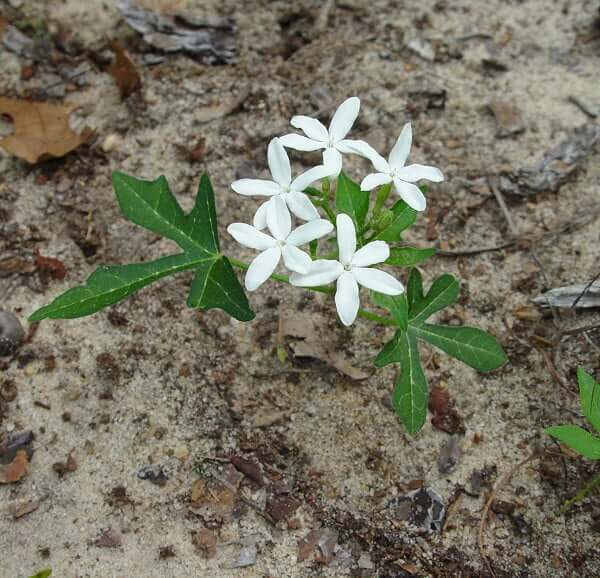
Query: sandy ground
{"x": 150, "y": 388}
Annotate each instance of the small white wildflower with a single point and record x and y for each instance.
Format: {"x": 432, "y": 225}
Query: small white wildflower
{"x": 333, "y": 140}
{"x": 283, "y": 243}
{"x": 282, "y": 186}
{"x": 352, "y": 269}
{"x": 402, "y": 176}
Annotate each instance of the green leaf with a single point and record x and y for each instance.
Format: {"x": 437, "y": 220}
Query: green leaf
{"x": 216, "y": 285}
{"x": 397, "y": 306}
{"x": 43, "y": 573}
{"x": 404, "y": 217}
{"x": 390, "y": 353}
{"x": 410, "y": 312}
{"x": 107, "y": 285}
{"x": 151, "y": 204}
{"x": 411, "y": 392}
{"x": 351, "y": 200}
{"x": 578, "y": 439}
{"x": 474, "y": 347}
{"x": 409, "y": 256}
{"x": 414, "y": 288}
{"x": 443, "y": 292}
{"x": 589, "y": 392}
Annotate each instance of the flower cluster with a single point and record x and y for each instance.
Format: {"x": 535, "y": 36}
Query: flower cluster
{"x": 287, "y": 197}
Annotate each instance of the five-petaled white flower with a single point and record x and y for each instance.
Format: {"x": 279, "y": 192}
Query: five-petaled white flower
{"x": 284, "y": 243}
{"x": 402, "y": 176}
{"x": 332, "y": 140}
{"x": 352, "y": 268}
{"x": 282, "y": 186}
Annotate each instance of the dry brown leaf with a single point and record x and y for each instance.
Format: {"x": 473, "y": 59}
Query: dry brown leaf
{"x": 124, "y": 71}
{"x": 20, "y": 509}
{"x": 206, "y": 541}
{"x": 3, "y": 25}
{"x": 41, "y": 130}
{"x": 51, "y": 266}
{"x": 311, "y": 341}
{"x": 16, "y": 470}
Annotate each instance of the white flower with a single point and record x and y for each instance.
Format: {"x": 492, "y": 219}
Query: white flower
{"x": 284, "y": 243}
{"x": 402, "y": 176}
{"x": 332, "y": 140}
{"x": 282, "y": 186}
{"x": 351, "y": 270}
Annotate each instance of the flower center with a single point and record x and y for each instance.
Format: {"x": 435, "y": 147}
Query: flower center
{"x": 348, "y": 267}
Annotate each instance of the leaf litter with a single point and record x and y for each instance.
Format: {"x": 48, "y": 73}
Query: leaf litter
{"x": 42, "y": 130}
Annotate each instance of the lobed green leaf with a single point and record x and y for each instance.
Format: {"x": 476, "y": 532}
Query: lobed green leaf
{"x": 443, "y": 293}
{"x": 396, "y": 305}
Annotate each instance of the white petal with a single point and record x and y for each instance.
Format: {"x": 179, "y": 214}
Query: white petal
{"x": 279, "y": 220}
{"x": 360, "y": 147}
{"x": 262, "y": 268}
{"x": 378, "y": 280}
{"x": 295, "y": 259}
{"x": 332, "y": 160}
{"x": 374, "y": 180}
{"x": 347, "y": 300}
{"x": 309, "y": 232}
{"x": 401, "y": 149}
{"x": 311, "y": 127}
{"x": 301, "y": 206}
{"x": 260, "y": 217}
{"x": 321, "y": 272}
{"x": 310, "y": 176}
{"x": 248, "y": 236}
{"x": 257, "y": 187}
{"x": 344, "y": 118}
{"x": 346, "y": 238}
{"x": 371, "y": 254}
{"x": 301, "y": 143}
{"x": 414, "y": 173}
{"x": 411, "y": 195}
{"x": 279, "y": 163}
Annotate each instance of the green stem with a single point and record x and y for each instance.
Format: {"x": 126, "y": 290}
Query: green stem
{"x": 581, "y": 494}
{"x": 320, "y": 289}
{"x": 328, "y": 210}
{"x": 382, "y": 195}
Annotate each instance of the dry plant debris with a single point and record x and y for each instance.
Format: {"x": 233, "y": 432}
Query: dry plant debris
{"x": 124, "y": 71}
{"x": 41, "y": 130}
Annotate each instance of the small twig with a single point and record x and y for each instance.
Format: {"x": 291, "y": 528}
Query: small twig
{"x": 581, "y": 494}
{"x": 484, "y": 515}
{"x": 478, "y": 251}
{"x": 585, "y": 290}
{"x": 582, "y": 106}
{"x": 502, "y": 204}
{"x": 553, "y": 371}
{"x": 583, "y": 329}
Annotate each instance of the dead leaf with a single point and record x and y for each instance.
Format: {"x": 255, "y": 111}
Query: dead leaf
{"x": 308, "y": 544}
{"x": 508, "y": 118}
{"x": 69, "y": 466}
{"x": 3, "y": 25}
{"x": 16, "y": 470}
{"x": 124, "y": 71}
{"x": 41, "y": 130}
{"x": 445, "y": 417}
{"x": 24, "y": 507}
{"x": 312, "y": 341}
{"x": 53, "y": 267}
{"x": 251, "y": 469}
{"x": 582, "y": 295}
{"x": 18, "y": 265}
{"x": 206, "y": 541}
{"x": 281, "y": 507}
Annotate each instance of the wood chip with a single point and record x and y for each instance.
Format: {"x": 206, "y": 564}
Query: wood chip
{"x": 16, "y": 470}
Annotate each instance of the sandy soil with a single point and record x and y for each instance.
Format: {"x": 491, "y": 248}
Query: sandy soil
{"x": 150, "y": 388}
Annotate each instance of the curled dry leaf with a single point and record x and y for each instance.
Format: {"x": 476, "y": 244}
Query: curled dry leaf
{"x": 16, "y": 470}
{"x": 310, "y": 341}
{"x": 124, "y": 71}
{"x": 41, "y": 130}
{"x": 49, "y": 265}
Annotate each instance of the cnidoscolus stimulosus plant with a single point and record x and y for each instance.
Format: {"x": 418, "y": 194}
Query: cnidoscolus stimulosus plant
{"x": 367, "y": 236}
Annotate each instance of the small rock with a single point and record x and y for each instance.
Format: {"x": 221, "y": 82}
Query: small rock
{"x": 111, "y": 142}
{"x": 423, "y": 508}
{"x": 365, "y": 562}
{"x": 422, "y": 48}
{"x": 182, "y": 453}
{"x": 12, "y": 333}
{"x": 450, "y": 454}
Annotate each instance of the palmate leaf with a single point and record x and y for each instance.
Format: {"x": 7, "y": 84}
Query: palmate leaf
{"x": 152, "y": 205}
{"x": 410, "y": 311}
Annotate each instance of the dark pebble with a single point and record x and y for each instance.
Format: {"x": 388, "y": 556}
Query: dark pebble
{"x": 12, "y": 333}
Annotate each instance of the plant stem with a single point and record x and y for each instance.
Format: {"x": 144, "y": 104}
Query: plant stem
{"x": 327, "y": 208}
{"x": 581, "y": 494}
{"x": 320, "y": 289}
{"x": 382, "y": 195}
